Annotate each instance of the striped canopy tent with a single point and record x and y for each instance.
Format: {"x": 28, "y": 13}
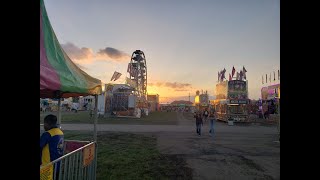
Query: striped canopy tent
{"x": 59, "y": 76}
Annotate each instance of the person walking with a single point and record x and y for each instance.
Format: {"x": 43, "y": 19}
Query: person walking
{"x": 199, "y": 123}
{"x": 212, "y": 118}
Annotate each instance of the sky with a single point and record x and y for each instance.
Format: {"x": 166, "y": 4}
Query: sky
{"x": 185, "y": 42}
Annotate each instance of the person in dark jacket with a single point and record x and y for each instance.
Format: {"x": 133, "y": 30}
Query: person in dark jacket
{"x": 51, "y": 142}
{"x": 212, "y": 118}
{"x": 199, "y": 123}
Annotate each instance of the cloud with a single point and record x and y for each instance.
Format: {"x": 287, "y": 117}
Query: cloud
{"x": 156, "y": 84}
{"x": 78, "y": 54}
{"x": 114, "y": 53}
{"x": 175, "y": 85}
{"x": 175, "y": 98}
{"x": 182, "y": 90}
{"x": 86, "y": 55}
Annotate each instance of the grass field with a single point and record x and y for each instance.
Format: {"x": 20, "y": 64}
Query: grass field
{"x": 133, "y": 156}
{"x": 156, "y": 118}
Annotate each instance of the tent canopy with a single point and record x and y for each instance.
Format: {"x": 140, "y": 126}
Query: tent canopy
{"x": 59, "y": 76}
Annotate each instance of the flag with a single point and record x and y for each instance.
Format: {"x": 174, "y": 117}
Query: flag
{"x": 233, "y": 71}
{"x": 274, "y": 76}
{"x": 266, "y": 79}
{"x": 278, "y": 74}
{"x": 244, "y": 73}
{"x": 262, "y": 79}
{"x": 270, "y": 77}
{"x": 117, "y": 76}
{"x": 241, "y": 75}
{"x": 223, "y": 74}
{"x": 244, "y": 69}
{"x": 230, "y": 78}
{"x": 113, "y": 76}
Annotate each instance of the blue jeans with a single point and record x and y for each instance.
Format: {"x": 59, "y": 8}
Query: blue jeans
{"x": 198, "y": 128}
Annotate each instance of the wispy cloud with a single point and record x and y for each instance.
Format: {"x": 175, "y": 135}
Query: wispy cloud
{"x": 173, "y": 85}
{"x": 86, "y": 55}
{"x": 114, "y": 54}
{"x": 182, "y": 90}
{"x": 79, "y": 55}
{"x": 176, "y": 85}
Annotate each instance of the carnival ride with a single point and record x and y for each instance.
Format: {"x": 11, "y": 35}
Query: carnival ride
{"x": 137, "y": 78}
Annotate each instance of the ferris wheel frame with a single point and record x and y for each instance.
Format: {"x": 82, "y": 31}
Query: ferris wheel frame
{"x": 139, "y": 63}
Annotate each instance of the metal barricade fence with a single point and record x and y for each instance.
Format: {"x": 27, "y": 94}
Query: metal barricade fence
{"x": 80, "y": 163}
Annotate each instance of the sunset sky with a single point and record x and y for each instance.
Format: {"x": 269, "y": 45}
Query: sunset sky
{"x": 186, "y": 42}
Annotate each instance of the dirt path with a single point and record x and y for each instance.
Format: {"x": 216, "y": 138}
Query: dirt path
{"x": 236, "y": 152}
{"x": 227, "y": 156}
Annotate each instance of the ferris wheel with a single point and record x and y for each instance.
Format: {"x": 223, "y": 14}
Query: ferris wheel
{"x": 137, "y": 73}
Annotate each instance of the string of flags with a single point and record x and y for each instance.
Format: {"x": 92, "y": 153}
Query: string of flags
{"x": 270, "y": 77}
{"x": 242, "y": 75}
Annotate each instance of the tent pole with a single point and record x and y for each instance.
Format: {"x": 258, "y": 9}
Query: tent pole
{"x": 59, "y": 113}
{"x": 95, "y": 118}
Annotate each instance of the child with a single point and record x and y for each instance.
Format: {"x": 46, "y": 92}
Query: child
{"x": 51, "y": 142}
